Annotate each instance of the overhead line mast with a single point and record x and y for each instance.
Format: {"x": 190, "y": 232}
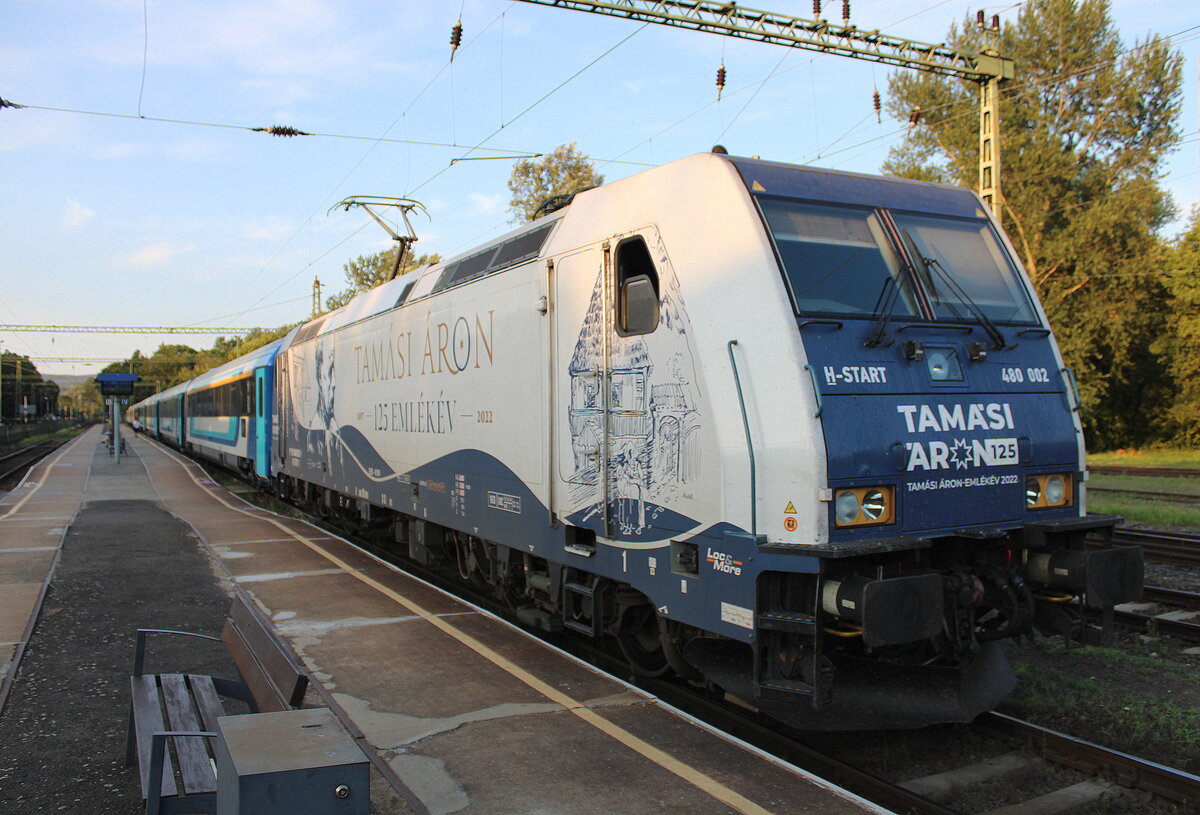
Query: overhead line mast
{"x": 986, "y": 68}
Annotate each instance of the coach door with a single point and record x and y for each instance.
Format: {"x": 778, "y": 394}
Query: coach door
{"x": 262, "y": 410}
{"x": 281, "y": 409}
{"x": 606, "y": 297}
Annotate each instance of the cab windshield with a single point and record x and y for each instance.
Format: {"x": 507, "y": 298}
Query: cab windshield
{"x": 841, "y": 260}
{"x": 964, "y": 252}
{"x": 837, "y": 259}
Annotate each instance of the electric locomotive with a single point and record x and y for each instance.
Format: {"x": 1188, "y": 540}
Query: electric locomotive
{"x": 801, "y": 434}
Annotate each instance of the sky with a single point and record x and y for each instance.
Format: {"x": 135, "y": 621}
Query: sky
{"x": 133, "y": 192}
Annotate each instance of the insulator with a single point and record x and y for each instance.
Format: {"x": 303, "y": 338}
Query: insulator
{"x": 846, "y": 11}
{"x": 280, "y": 130}
{"x": 979, "y": 19}
{"x": 816, "y": 9}
{"x": 4, "y": 103}
{"x": 995, "y": 22}
{"x": 914, "y": 118}
{"x": 720, "y": 81}
{"x": 878, "y": 108}
{"x": 455, "y": 38}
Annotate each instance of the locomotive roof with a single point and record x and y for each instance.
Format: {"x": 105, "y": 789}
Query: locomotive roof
{"x": 517, "y": 246}
{"x": 818, "y": 183}
{"x": 760, "y": 177}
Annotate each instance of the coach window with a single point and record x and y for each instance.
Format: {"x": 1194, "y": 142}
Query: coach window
{"x": 637, "y": 289}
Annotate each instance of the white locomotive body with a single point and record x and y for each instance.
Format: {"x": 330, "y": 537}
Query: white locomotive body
{"x": 801, "y": 434}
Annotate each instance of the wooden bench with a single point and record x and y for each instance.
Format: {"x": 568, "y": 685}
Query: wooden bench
{"x": 183, "y": 709}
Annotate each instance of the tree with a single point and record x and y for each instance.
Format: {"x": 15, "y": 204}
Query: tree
{"x": 82, "y": 399}
{"x": 366, "y": 272}
{"x": 561, "y": 172}
{"x": 1182, "y": 345}
{"x": 1086, "y": 124}
{"x": 21, "y": 388}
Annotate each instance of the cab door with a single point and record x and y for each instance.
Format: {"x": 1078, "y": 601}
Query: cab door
{"x": 607, "y": 299}
{"x": 580, "y": 420}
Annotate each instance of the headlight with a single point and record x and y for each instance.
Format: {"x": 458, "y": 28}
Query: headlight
{"x": 864, "y": 506}
{"x": 1048, "y": 491}
{"x": 1056, "y": 490}
{"x": 846, "y": 508}
{"x": 874, "y": 505}
{"x": 1033, "y": 491}
{"x": 942, "y": 364}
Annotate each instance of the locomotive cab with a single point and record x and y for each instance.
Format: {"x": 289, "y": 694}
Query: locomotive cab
{"x": 954, "y": 511}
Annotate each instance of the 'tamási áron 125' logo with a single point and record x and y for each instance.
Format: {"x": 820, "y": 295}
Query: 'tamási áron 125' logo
{"x": 961, "y": 452}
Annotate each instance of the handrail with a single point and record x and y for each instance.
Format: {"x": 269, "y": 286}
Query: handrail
{"x": 749, "y": 441}
{"x": 1075, "y": 387}
{"x": 812, "y": 375}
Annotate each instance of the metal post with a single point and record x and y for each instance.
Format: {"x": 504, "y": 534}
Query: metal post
{"x": 116, "y": 424}
{"x": 989, "y": 144}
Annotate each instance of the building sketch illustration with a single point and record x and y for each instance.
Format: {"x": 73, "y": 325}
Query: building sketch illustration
{"x": 653, "y": 439}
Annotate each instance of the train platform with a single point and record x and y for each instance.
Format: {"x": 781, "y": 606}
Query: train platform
{"x": 458, "y": 711}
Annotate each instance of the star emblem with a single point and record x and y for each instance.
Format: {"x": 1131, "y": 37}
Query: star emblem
{"x": 961, "y": 454}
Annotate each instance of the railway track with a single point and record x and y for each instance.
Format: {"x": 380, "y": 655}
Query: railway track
{"x": 1073, "y": 770}
{"x": 1181, "y": 620}
{"x": 14, "y": 465}
{"x": 1172, "y": 548}
{"x": 1148, "y": 472}
{"x": 1093, "y": 773}
{"x": 1176, "y": 497}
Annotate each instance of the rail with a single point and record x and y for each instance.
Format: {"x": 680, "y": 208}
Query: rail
{"x": 1129, "y": 771}
{"x": 1173, "y": 548}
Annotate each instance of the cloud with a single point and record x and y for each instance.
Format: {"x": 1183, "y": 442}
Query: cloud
{"x": 156, "y": 253}
{"x": 76, "y": 215}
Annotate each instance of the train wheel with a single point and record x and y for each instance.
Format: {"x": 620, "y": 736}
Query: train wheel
{"x": 640, "y": 641}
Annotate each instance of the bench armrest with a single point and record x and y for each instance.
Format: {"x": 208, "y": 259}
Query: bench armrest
{"x": 139, "y": 648}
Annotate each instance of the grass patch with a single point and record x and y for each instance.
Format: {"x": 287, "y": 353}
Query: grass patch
{"x": 1120, "y": 699}
{"x": 1144, "y": 511}
{"x": 1184, "y": 459}
{"x": 61, "y": 435}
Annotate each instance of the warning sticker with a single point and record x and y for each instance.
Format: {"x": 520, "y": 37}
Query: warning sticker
{"x": 790, "y": 509}
{"x": 738, "y": 615}
{"x": 790, "y": 524}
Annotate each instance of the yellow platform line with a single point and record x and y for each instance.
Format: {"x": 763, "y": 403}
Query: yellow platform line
{"x": 673, "y": 765}
{"x": 49, "y": 467}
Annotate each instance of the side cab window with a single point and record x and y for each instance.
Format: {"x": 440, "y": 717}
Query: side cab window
{"x": 637, "y": 289}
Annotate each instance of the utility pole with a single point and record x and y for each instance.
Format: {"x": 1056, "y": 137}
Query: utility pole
{"x": 986, "y": 68}
{"x": 316, "y": 298}
{"x": 18, "y": 402}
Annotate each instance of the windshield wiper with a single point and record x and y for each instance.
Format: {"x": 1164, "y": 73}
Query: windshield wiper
{"x": 935, "y": 265}
{"x": 885, "y": 304}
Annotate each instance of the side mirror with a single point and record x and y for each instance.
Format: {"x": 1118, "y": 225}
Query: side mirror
{"x": 639, "y": 306}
